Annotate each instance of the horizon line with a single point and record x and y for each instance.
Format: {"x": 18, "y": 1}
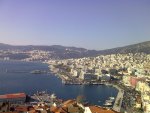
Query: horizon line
{"x": 73, "y": 46}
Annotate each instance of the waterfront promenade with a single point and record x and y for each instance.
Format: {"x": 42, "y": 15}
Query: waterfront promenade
{"x": 118, "y": 101}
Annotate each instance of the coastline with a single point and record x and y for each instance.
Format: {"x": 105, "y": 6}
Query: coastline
{"x": 118, "y": 99}
{"x": 56, "y": 75}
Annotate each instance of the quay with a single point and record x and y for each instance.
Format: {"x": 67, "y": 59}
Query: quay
{"x": 119, "y": 98}
{"x": 80, "y": 83}
{"x": 118, "y": 101}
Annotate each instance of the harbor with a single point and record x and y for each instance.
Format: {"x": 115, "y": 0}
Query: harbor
{"x": 50, "y": 82}
{"x": 112, "y": 102}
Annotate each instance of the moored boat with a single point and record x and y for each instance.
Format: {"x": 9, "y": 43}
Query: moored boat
{"x": 112, "y": 98}
{"x": 108, "y": 104}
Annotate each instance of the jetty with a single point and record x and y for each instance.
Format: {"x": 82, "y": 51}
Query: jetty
{"x": 119, "y": 98}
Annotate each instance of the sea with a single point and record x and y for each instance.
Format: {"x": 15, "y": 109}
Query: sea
{"x": 16, "y": 77}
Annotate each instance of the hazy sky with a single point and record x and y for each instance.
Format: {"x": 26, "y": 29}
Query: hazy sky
{"x": 92, "y": 24}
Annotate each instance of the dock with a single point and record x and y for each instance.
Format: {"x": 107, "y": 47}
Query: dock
{"x": 118, "y": 101}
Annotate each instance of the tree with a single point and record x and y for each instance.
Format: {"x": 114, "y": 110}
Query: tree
{"x": 113, "y": 72}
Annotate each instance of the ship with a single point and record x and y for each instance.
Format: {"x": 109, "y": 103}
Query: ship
{"x": 36, "y": 72}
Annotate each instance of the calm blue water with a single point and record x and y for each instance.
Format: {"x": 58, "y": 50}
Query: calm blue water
{"x": 15, "y": 77}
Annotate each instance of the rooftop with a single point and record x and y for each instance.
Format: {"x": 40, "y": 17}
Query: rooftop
{"x": 95, "y": 109}
{"x": 16, "y": 95}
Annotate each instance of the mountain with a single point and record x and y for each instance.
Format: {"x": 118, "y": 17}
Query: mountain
{"x": 134, "y": 48}
{"x": 4, "y": 46}
{"x": 56, "y": 51}
{"x": 62, "y": 52}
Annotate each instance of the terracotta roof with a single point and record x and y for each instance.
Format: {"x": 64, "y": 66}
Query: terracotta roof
{"x": 32, "y": 111}
{"x": 16, "y": 95}
{"x": 68, "y": 102}
{"x": 95, "y": 109}
{"x": 73, "y": 109}
{"x": 21, "y": 108}
{"x": 24, "y": 108}
{"x": 58, "y": 110}
{"x": 11, "y": 112}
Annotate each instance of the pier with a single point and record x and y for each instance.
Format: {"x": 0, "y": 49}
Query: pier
{"x": 118, "y": 101}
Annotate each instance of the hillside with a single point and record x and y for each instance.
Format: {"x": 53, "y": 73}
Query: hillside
{"x": 135, "y": 48}
{"x": 62, "y": 52}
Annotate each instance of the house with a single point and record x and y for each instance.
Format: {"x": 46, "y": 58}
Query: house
{"x": 96, "y": 109}
{"x": 16, "y": 98}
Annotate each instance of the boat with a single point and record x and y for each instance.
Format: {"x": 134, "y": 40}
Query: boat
{"x": 53, "y": 96}
{"x": 112, "y": 98}
{"x": 36, "y": 72}
{"x": 43, "y": 96}
{"x": 109, "y": 100}
{"x": 108, "y": 104}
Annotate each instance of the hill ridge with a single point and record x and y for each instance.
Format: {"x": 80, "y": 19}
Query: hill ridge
{"x": 64, "y": 52}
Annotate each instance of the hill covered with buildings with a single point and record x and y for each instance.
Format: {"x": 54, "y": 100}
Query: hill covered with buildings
{"x": 42, "y": 53}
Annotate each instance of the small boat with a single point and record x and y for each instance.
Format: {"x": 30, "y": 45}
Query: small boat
{"x": 108, "y": 104}
{"x": 53, "y": 96}
{"x": 112, "y": 98}
{"x": 36, "y": 72}
{"x": 109, "y": 101}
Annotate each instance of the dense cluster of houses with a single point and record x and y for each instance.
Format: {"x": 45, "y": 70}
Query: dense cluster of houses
{"x": 16, "y": 103}
{"x": 132, "y": 70}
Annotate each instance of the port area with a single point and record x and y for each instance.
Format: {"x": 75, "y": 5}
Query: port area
{"x": 68, "y": 80}
{"x": 118, "y": 102}
{"x": 43, "y": 96}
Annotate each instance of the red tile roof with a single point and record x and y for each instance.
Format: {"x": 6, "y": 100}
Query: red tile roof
{"x": 11, "y": 112}
{"x": 68, "y": 102}
{"x": 95, "y": 109}
{"x": 58, "y": 109}
{"x": 16, "y": 95}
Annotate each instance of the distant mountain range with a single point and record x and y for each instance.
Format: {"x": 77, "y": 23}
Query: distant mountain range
{"x": 63, "y": 52}
{"x": 134, "y": 48}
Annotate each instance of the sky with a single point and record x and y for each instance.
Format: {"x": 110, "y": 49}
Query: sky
{"x": 91, "y": 24}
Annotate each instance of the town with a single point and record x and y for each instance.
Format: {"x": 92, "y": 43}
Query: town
{"x": 42, "y": 102}
{"x": 74, "y": 56}
{"x": 130, "y": 72}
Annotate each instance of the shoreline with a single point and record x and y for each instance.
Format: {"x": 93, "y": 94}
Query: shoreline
{"x": 118, "y": 99}
{"x": 56, "y": 75}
